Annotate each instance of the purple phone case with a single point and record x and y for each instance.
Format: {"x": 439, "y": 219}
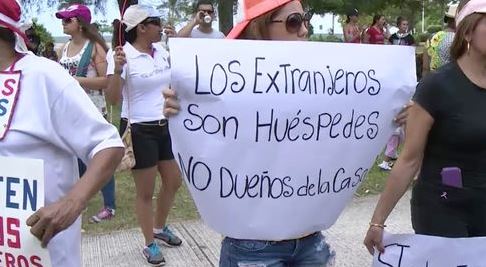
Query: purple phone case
{"x": 451, "y": 176}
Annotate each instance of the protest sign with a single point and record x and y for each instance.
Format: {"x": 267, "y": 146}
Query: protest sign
{"x": 429, "y": 251}
{"x": 21, "y": 194}
{"x": 273, "y": 138}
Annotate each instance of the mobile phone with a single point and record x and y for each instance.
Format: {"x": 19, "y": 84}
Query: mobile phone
{"x": 451, "y": 176}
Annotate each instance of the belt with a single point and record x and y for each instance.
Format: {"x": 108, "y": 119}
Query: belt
{"x": 161, "y": 122}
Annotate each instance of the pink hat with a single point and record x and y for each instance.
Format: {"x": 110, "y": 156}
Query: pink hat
{"x": 10, "y": 14}
{"x": 473, "y": 6}
{"x": 80, "y": 11}
{"x": 253, "y": 9}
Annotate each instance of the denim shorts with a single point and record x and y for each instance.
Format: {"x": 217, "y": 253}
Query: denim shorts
{"x": 309, "y": 251}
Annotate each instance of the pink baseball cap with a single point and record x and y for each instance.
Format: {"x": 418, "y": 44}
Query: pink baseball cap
{"x": 473, "y": 6}
{"x": 80, "y": 11}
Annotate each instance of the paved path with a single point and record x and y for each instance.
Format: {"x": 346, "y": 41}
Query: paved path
{"x": 201, "y": 244}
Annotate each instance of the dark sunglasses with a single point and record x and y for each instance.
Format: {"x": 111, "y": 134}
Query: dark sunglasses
{"x": 152, "y": 20}
{"x": 67, "y": 20}
{"x": 210, "y": 12}
{"x": 294, "y": 21}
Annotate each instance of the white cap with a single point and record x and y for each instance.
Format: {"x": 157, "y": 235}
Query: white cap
{"x": 135, "y": 14}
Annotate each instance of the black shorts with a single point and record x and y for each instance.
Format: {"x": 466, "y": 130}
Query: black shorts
{"x": 151, "y": 142}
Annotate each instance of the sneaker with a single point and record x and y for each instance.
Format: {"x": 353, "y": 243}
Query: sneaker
{"x": 168, "y": 238}
{"x": 104, "y": 214}
{"x": 385, "y": 166}
{"x": 153, "y": 255}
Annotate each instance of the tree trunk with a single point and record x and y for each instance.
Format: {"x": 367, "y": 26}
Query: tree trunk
{"x": 225, "y": 11}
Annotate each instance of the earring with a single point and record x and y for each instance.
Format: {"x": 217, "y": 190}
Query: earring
{"x": 468, "y": 46}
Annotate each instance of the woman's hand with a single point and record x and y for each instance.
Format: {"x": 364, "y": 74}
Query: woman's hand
{"x": 402, "y": 117}
{"x": 120, "y": 59}
{"x": 171, "y": 103}
{"x": 170, "y": 31}
{"x": 374, "y": 239}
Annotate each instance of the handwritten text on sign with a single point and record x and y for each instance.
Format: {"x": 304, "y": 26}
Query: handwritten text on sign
{"x": 429, "y": 251}
{"x": 21, "y": 194}
{"x": 273, "y": 138}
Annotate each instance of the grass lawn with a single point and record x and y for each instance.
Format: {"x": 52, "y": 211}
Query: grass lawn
{"x": 184, "y": 208}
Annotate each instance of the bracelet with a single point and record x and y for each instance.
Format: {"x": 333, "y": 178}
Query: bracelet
{"x": 382, "y": 226}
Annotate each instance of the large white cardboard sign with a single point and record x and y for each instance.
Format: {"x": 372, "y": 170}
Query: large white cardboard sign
{"x": 408, "y": 250}
{"x": 21, "y": 194}
{"x": 273, "y": 138}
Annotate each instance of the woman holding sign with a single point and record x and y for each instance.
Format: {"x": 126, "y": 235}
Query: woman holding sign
{"x": 46, "y": 115}
{"x": 139, "y": 71}
{"x": 270, "y": 20}
{"x": 445, "y": 135}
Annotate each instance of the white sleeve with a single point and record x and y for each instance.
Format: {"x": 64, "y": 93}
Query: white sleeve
{"x": 80, "y": 126}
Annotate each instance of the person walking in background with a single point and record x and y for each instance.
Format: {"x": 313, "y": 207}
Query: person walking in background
{"x": 53, "y": 120}
{"x": 445, "y": 138}
{"x": 85, "y": 59}
{"x": 376, "y": 33}
{"x": 438, "y": 47}
{"x": 137, "y": 74}
{"x": 203, "y": 18}
{"x": 403, "y": 36}
{"x": 352, "y": 31}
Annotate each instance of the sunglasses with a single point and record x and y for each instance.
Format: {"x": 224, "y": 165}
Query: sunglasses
{"x": 210, "y": 12}
{"x": 152, "y": 20}
{"x": 67, "y": 20}
{"x": 294, "y": 21}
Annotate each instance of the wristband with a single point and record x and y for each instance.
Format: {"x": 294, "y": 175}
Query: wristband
{"x": 382, "y": 226}
{"x": 119, "y": 72}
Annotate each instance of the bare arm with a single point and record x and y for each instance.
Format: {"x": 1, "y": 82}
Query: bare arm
{"x": 100, "y": 81}
{"x": 52, "y": 219}
{"x": 187, "y": 30}
{"x": 425, "y": 63}
{"x": 417, "y": 130}
{"x": 366, "y": 37}
{"x": 348, "y": 36}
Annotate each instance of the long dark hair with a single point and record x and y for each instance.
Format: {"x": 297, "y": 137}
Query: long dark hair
{"x": 376, "y": 18}
{"x": 120, "y": 36}
{"x": 91, "y": 33}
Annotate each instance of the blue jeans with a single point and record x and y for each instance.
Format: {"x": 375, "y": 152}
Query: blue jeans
{"x": 309, "y": 251}
{"x": 108, "y": 191}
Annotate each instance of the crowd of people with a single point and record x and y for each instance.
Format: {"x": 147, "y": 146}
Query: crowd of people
{"x": 68, "y": 92}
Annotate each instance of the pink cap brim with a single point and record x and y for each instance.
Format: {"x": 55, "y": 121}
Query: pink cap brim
{"x": 64, "y": 14}
{"x": 238, "y": 30}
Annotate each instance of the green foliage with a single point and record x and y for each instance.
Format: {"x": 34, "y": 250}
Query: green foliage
{"x": 330, "y": 38}
{"x": 422, "y": 37}
{"x": 41, "y": 31}
{"x": 434, "y": 28}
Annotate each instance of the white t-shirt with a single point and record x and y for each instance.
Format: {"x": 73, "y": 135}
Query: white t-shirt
{"x": 55, "y": 121}
{"x": 148, "y": 77}
{"x": 196, "y": 33}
